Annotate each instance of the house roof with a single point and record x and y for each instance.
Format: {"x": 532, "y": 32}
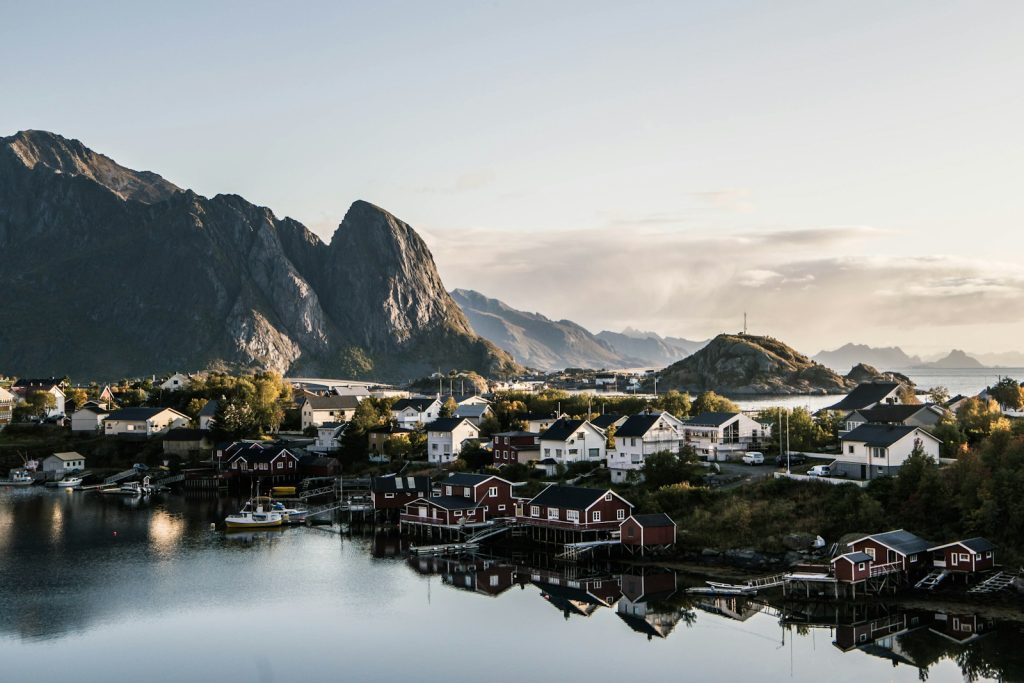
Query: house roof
{"x": 900, "y": 540}
{"x": 853, "y": 557}
{"x": 417, "y": 404}
{"x": 68, "y": 455}
{"x": 37, "y": 383}
{"x": 392, "y": 484}
{"x": 881, "y": 435}
{"x": 459, "y": 398}
{"x": 517, "y": 433}
{"x": 711, "y": 419}
{"x": 637, "y": 425}
{"x": 606, "y": 421}
{"x": 453, "y": 502}
{"x": 977, "y": 544}
{"x": 135, "y": 414}
{"x": 445, "y": 424}
{"x": 892, "y": 413}
{"x": 468, "y": 479}
{"x": 562, "y": 429}
{"x": 210, "y": 409}
{"x": 866, "y": 394}
{"x": 654, "y": 520}
{"x": 570, "y": 497}
{"x": 473, "y": 410}
{"x": 94, "y": 409}
{"x": 391, "y": 428}
{"x": 346, "y": 402}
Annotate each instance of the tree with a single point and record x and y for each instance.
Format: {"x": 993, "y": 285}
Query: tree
{"x": 979, "y": 418}
{"x": 938, "y": 394}
{"x": 1008, "y": 392}
{"x": 194, "y": 406}
{"x": 474, "y": 456}
{"x": 76, "y": 397}
{"x": 665, "y": 468}
{"x": 907, "y": 394}
{"x": 40, "y": 403}
{"x": 675, "y": 402}
{"x": 449, "y": 408}
{"x": 610, "y": 437}
{"x": 489, "y": 426}
{"x": 805, "y": 432}
{"x": 367, "y": 416}
{"x": 710, "y": 402}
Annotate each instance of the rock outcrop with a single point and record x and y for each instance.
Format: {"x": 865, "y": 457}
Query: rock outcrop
{"x": 110, "y": 272}
{"x": 738, "y": 364}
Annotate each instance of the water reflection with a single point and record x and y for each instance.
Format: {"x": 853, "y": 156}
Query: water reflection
{"x": 80, "y": 564}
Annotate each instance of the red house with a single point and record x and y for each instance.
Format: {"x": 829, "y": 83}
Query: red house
{"x": 894, "y": 551}
{"x": 515, "y": 447}
{"x": 648, "y": 531}
{"x": 444, "y": 511}
{"x": 262, "y": 461}
{"x": 852, "y": 567}
{"x": 394, "y": 493}
{"x": 573, "y": 508}
{"x": 969, "y": 556}
{"x": 492, "y": 493}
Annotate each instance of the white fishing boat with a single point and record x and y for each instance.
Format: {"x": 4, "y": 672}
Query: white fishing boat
{"x": 65, "y": 483}
{"x": 257, "y": 513}
{"x": 134, "y": 488}
{"x": 289, "y": 515}
{"x": 18, "y": 477}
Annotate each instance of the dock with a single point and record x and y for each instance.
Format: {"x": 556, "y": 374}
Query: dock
{"x": 443, "y": 549}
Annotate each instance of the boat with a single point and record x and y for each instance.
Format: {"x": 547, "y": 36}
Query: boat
{"x": 254, "y": 515}
{"x": 289, "y": 515}
{"x": 65, "y": 483}
{"x": 135, "y": 489}
{"x": 18, "y": 477}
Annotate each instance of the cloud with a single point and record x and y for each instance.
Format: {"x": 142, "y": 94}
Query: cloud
{"x": 801, "y": 285}
{"x": 466, "y": 182}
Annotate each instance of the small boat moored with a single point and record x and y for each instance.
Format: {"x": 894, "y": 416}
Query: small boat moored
{"x": 65, "y": 483}
{"x": 18, "y": 477}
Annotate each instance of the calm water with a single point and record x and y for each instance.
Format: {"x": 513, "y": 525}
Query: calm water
{"x": 95, "y": 589}
{"x": 968, "y": 382}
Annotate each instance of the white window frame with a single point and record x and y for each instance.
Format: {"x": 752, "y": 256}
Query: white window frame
{"x": 389, "y": 495}
{"x": 620, "y": 514}
{"x": 492, "y": 492}
{"x": 595, "y": 516}
{"x": 535, "y": 511}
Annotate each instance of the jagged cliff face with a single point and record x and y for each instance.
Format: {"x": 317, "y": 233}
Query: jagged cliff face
{"x": 746, "y": 365}
{"x": 110, "y": 272}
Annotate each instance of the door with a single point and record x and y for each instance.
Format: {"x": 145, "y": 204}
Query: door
{"x": 863, "y": 471}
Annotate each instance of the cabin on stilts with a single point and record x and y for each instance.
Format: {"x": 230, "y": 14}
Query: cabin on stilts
{"x": 572, "y": 514}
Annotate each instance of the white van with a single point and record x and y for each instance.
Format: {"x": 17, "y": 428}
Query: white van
{"x": 819, "y": 471}
{"x": 753, "y": 458}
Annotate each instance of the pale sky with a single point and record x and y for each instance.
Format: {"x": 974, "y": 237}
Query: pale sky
{"x": 843, "y": 171}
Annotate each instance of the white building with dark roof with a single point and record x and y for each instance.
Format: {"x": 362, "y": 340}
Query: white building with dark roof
{"x": 723, "y": 435}
{"x": 316, "y": 410}
{"x": 878, "y": 450}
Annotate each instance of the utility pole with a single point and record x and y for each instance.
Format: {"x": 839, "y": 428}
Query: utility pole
{"x": 744, "y": 323}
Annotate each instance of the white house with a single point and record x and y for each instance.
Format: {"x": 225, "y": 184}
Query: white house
{"x": 143, "y": 422}
{"x": 58, "y": 465}
{"x": 568, "y": 441}
{"x": 175, "y": 382}
{"x": 912, "y": 414}
{"x": 88, "y": 419}
{"x": 328, "y": 437}
{"x": 878, "y": 450}
{"x": 719, "y": 435}
{"x": 869, "y": 395}
{"x": 23, "y": 387}
{"x": 208, "y": 415}
{"x": 445, "y": 437}
{"x": 410, "y": 412}
{"x": 316, "y": 410}
{"x": 640, "y": 436}
{"x": 7, "y": 401}
{"x": 474, "y": 412}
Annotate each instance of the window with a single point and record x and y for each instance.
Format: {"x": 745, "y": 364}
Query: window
{"x": 988, "y": 554}
{"x": 620, "y": 514}
{"x": 912, "y": 558}
{"x": 447, "y": 490}
{"x": 468, "y": 492}
{"x": 860, "y": 566}
{"x": 572, "y": 516}
{"x": 433, "y": 446}
{"x": 506, "y": 440}
{"x": 964, "y": 557}
{"x": 389, "y": 495}
{"x": 492, "y": 492}
{"x": 558, "y": 452}
{"x": 595, "y": 516}
{"x": 535, "y": 511}
{"x": 552, "y": 513}
{"x": 547, "y": 452}
{"x": 608, "y": 497}
{"x": 280, "y": 465}
{"x": 632, "y": 441}
{"x": 870, "y": 552}
{"x": 595, "y": 452}
{"x": 458, "y": 513}
{"x": 877, "y": 452}
{"x": 850, "y": 448}
{"x": 494, "y": 580}
{"x": 501, "y": 508}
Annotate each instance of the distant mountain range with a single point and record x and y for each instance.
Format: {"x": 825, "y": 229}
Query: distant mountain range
{"x": 109, "y": 272}
{"x": 893, "y": 357}
{"x": 537, "y": 341}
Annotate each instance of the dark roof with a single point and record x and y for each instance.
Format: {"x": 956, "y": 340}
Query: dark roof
{"x": 389, "y": 484}
{"x": 605, "y": 421}
{"x": 418, "y": 404}
{"x": 210, "y": 409}
{"x": 132, "y": 414}
{"x": 95, "y": 409}
{"x": 711, "y": 419}
{"x": 880, "y": 435}
{"x": 570, "y": 497}
{"x": 562, "y": 429}
{"x": 654, "y": 520}
{"x": 390, "y": 428}
{"x": 314, "y": 460}
{"x": 977, "y": 544}
{"x": 637, "y": 425}
{"x": 346, "y": 402}
{"x": 466, "y": 479}
{"x": 854, "y": 557}
{"x": 517, "y": 433}
{"x": 445, "y": 424}
{"x": 453, "y": 502}
{"x": 36, "y": 383}
{"x": 892, "y": 413}
{"x": 865, "y": 395}
{"x": 640, "y": 625}
{"x": 182, "y": 434}
{"x": 473, "y": 410}
{"x": 902, "y": 542}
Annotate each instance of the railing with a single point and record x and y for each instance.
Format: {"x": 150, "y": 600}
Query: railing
{"x": 883, "y": 569}
{"x": 572, "y": 526}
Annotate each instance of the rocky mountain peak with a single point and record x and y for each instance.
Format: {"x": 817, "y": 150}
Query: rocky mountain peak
{"x": 39, "y": 148}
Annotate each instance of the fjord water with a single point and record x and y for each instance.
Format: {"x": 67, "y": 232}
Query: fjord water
{"x": 95, "y": 588}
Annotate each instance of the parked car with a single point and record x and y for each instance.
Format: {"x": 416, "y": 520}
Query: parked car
{"x": 753, "y": 458}
{"x": 820, "y": 471}
{"x": 794, "y": 459}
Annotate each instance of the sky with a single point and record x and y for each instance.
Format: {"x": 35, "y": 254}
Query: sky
{"x": 841, "y": 171}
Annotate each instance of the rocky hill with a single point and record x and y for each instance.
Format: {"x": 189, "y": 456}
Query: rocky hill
{"x": 737, "y": 364}
{"x": 535, "y": 340}
{"x": 111, "y": 272}
{"x": 955, "y": 360}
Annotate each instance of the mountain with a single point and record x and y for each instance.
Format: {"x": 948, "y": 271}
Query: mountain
{"x": 537, "y": 341}
{"x": 651, "y": 349}
{"x": 956, "y": 360}
{"x": 740, "y": 364}
{"x": 849, "y": 355}
{"x": 1004, "y": 359}
{"x": 111, "y": 272}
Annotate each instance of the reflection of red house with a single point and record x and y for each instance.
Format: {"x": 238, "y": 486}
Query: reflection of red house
{"x": 971, "y": 555}
{"x": 960, "y": 628}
